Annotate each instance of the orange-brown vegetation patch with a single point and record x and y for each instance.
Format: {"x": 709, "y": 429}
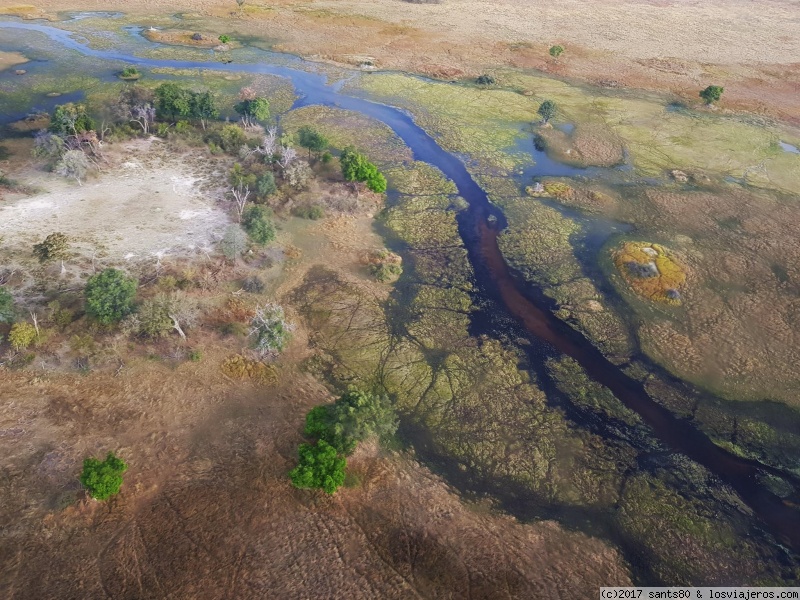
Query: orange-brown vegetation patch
{"x": 651, "y": 271}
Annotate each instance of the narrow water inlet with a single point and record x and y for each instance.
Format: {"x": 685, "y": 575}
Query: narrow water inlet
{"x": 539, "y": 322}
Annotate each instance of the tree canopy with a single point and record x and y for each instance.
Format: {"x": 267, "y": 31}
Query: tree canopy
{"x": 313, "y": 140}
{"x": 103, "y": 478}
{"x": 109, "y": 296}
{"x": 547, "y": 110}
{"x": 173, "y": 100}
{"x": 556, "y": 51}
{"x": 354, "y": 417}
{"x": 257, "y": 222}
{"x": 320, "y": 466}
{"x": 357, "y": 168}
{"x": 253, "y": 109}
{"x": 70, "y": 119}
{"x": 712, "y": 93}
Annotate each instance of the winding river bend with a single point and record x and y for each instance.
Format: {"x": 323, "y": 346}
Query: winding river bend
{"x": 496, "y": 279}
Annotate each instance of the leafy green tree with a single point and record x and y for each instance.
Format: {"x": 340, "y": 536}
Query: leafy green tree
{"x": 204, "y": 107}
{"x": 54, "y": 247}
{"x": 320, "y": 466}
{"x": 252, "y": 108}
{"x": 130, "y": 72}
{"x": 357, "y": 168}
{"x": 109, "y": 296}
{"x": 712, "y": 94}
{"x": 173, "y": 100}
{"x": 354, "y": 417}
{"x": 70, "y": 119}
{"x": 224, "y": 39}
{"x": 257, "y": 222}
{"x": 6, "y": 306}
{"x": 266, "y": 185}
{"x": 311, "y": 139}
{"x": 547, "y": 110}
{"x": 556, "y": 51}
{"x": 103, "y": 478}
{"x": 22, "y": 335}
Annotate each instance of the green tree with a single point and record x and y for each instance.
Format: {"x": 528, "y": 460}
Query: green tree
{"x": 22, "y": 335}
{"x": 266, "y": 185}
{"x": 239, "y": 177}
{"x": 257, "y": 222}
{"x": 547, "y": 110}
{"x": 712, "y": 94}
{"x": 103, "y": 478}
{"x": 6, "y": 306}
{"x": 319, "y": 466}
{"x": 173, "y": 100}
{"x": 357, "y": 168}
{"x": 253, "y": 110}
{"x": 54, "y": 247}
{"x": 224, "y": 39}
{"x": 354, "y": 417}
{"x": 70, "y": 119}
{"x": 204, "y": 107}
{"x": 130, "y": 72}
{"x": 109, "y": 296}
{"x": 311, "y": 139}
{"x": 556, "y": 51}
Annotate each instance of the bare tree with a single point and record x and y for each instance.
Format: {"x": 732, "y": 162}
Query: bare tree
{"x": 143, "y": 115}
{"x": 181, "y": 309}
{"x": 240, "y": 193}
{"x": 269, "y": 146}
{"x": 288, "y": 156}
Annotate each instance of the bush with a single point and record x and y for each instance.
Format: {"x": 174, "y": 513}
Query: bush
{"x": 313, "y": 212}
{"x": 257, "y": 222}
{"x": 485, "y": 80}
{"x": 320, "y": 466}
{"x": 103, "y": 478}
{"x": 712, "y": 94}
{"x": 224, "y": 38}
{"x": 130, "y": 72}
{"x": 154, "y": 320}
{"x": 195, "y": 355}
{"x": 21, "y": 335}
{"x": 6, "y": 306}
{"x": 327, "y": 157}
{"x": 556, "y": 51}
{"x": 266, "y": 185}
{"x": 356, "y": 168}
{"x": 231, "y": 138}
{"x": 384, "y": 272}
{"x": 109, "y": 296}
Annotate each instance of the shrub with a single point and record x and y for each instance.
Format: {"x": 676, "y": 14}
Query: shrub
{"x": 257, "y": 223}
{"x": 266, "y": 185}
{"x": 195, "y": 355}
{"x": 231, "y": 138}
{"x": 103, "y": 478}
{"x": 384, "y": 272}
{"x": 154, "y": 320}
{"x": 485, "y": 80}
{"x": 356, "y": 168}
{"x": 326, "y": 157}
{"x": 224, "y": 38}
{"x": 313, "y": 212}
{"x": 319, "y": 466}
{"x": 21, "y": 335}
{"x": 130, "y": 72}
{"x": 556, "y": 51}
{"x": 712, "y": 94}
{"x": 109, "y": 296}
{"x": 6, "y": 306}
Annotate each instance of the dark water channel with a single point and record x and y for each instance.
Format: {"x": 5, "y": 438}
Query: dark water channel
{"x": 496, "y": 279}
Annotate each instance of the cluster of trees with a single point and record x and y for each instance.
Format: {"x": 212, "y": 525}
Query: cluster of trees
{"x": 70, "y": 145}
{"x": 357, "y": 168}
{"x": 337, "y": 430}
{"x": 174, "y": 101}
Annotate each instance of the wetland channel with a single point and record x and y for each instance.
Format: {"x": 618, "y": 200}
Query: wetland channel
{"x": 495, "y": 278}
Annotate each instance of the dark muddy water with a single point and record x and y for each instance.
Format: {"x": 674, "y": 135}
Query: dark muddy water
{"x": 494, "y": 276}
